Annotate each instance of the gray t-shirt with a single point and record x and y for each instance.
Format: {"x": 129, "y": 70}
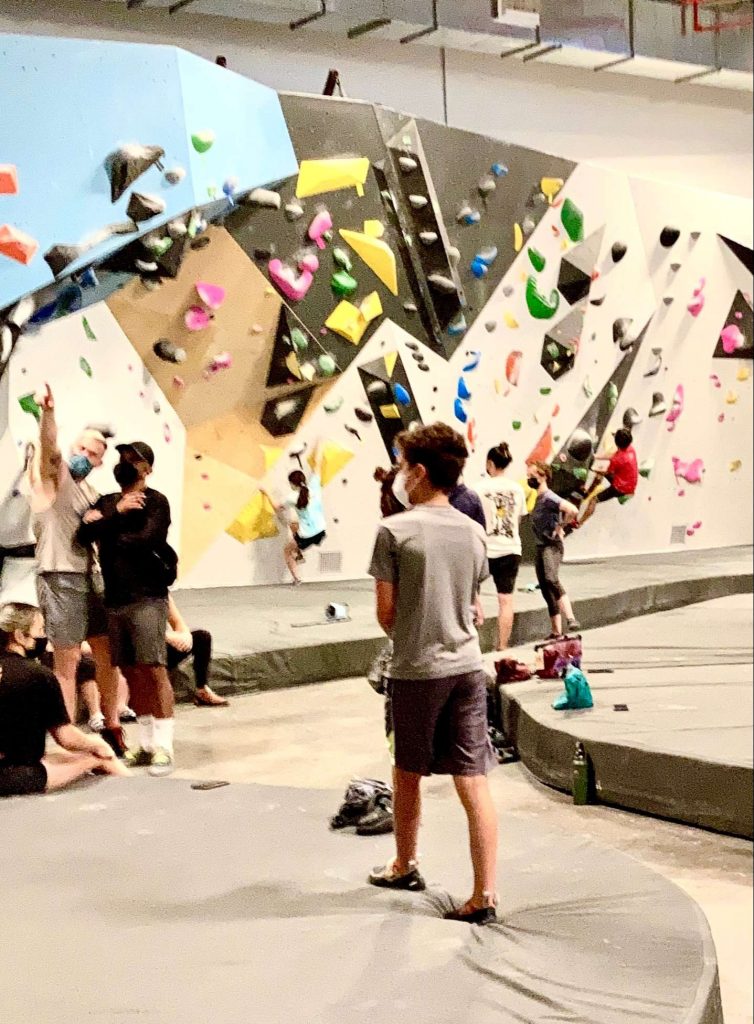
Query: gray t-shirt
{"x": 437, "y": 558}
{"x": 56, "y": 525}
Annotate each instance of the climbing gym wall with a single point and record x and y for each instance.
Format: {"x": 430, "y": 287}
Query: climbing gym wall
{"x": 259, "y": 283}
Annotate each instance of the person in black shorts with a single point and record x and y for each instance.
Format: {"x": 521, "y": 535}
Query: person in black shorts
{"x": 548, "y": 519}
{"x": 31, "y": 706}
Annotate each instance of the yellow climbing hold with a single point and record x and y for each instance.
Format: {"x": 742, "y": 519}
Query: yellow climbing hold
{"x": 255, "y": 520}
{"x": 564, "y": 245}
{"x": 390, "y": 412}
{"x": 510, "y": 321}
{"x": 374, "y": 228}
{"x": 316, "y": 177}
{"x": 390, "y": 360}
{"x": 743, "y": 374}
{"x": 271, "y": 456}
{"x": 550, "y": 188}
{"x": 377, "y": 255}
{"x": 518, "y": 237}
{"x": 371, "y": 307}
{"x": 731, "y": 398}
{"x": 291, "y": 361}
{"x": 333, "y": 458}
{"x": 735, "y": 465}
{"x": 351, "y": 322}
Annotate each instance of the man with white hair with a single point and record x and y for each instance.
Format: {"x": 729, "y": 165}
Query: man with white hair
{"x": 69, "y": 582}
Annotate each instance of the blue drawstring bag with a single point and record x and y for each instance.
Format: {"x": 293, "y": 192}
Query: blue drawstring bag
{"x": 577, "y": 693}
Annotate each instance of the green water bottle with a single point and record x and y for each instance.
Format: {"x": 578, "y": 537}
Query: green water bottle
{"x": 580, "y": 776}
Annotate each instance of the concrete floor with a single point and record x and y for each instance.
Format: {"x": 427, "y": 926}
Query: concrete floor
{"x": 319, "y": 736}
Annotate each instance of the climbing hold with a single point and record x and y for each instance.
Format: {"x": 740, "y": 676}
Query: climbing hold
{"x": 8, "y": 180}
{"x": 299, "y": 340}
{"x": 128, "y": 163}
{"x": 714, "y": 379}
{"x": 428, "y": 237}
{"x": 541, "y": 307}
{"x": 696, "y": 305}
{"x": 473, "y": 363}
{"x": 611, "y": 395}
{"x": 146, "y": 267}
{"x": 457, "y": 326}
{"x": 621, "y": 329}
{"x": 669, "y": 236}
{"x": 319, "y": 228}
{"x": 491, "y": 326}
{"x": 88, "y": 332}
{"x": 545, "y": 391}
{"x": 176, "y": 229}
{"x": 550, "y": 188}
{"x": 677, "y": 407}
{"x": 499, "y": 170}
{"x": 731, "y": 398}
{"x": 203, "y": 141}
{"x": 510, "y": 321}
{"x": 487, "y": 186}
{"x": 327, "y": 364}
{"x": 212, "y": 295}
{"x": 618, "y": 251}
{"x": 656, "y": 364}
{"x": 735, "y": 465}
{"x": 516, "y": 424}
{"x": 460, "y": 411}
{"x": 294, "y": 211}
{"x": 463, "y": 390}
{"x": 744, "y": 374}
{"x": 518, "y": 237}
{"x": 59, "y": 257}
{"x": 645, "y": 469}
{"x": 264, "y": 197}
{"x": 343, "y": 260}
{"x": 586, "y": 387}
{"x": 407, "y": 164}
{"x": 732, "y": 338}
{"x": 196, "y": 318}
{"x": 168, "y": 351}
{"x": 454, "y": 254}
{"x": 222, "y": 361}
{"x": 334, "y": 405}
{"x": 179, "y": 382}
{"x": 402, "y": 396}
{"x": 294, "y": 286}
{"x": 418, "y": 202}
{"x": 668, "y": 300}
{"x": 309, "y": 261}
{"x": 343, "y": 284}
{"x": 230, "y": 187}
{"x": 580, "y": 472}
{"x": 528, "y": 226}
{"x": 156, "y": 407}
{"x": 143, "y": 207}
{"x": 468, "y": 215}
{"x": 175, "y": 175}
{"x": 390, "y": 412}
{"x": 659, "y": 406}
{"x": 363, "y": 415}
{"x": 599, "y": 301}
{"x": 695, "y": 236}
{"x": 508, "y": 290}
{"x": 479, "y": 269}
{"x": 84, "y": 365}
{"x": 377, "y": 255}
{"x": 691, "y": 472}
{"x": 631, "y": 419}
{"x": 580, "y": 445}
{"x": 513, "y": 368}
{"x": 573, "y": 221}
{"x": 537, "y": 260}
{"x": 443, "y": 284}
{"x": 315, "y": 177}
{"x": 411, "y": 308}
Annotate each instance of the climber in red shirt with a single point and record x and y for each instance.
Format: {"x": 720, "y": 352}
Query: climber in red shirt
{"x": 621, "y": 474}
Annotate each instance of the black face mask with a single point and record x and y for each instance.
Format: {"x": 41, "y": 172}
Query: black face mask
{"x": 39, "y": 649}
{"x": 126, "y": 474}
{"x": 533, "y": 482}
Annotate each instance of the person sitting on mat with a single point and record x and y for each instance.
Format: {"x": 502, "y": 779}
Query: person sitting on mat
{"x": 548, "y": 517}
{"x": 306, "y": 517}
{"x": 622, "y": 474}
{"x": 31, "y": 705}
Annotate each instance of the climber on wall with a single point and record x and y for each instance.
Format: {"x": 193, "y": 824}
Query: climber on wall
{"x": 305, "y": 515}
{"x": 621, "y": 474}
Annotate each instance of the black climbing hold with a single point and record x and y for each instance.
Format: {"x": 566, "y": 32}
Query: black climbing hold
{"x": 618, "y": 251}
{"x": 669, "y": 236}
{"x": 141, "y": 207}
{"x": 200, "y": 243}
{"x": 59, "y": 257}
{"x": 363, "y": 415}
{"x": 128, "y": 163}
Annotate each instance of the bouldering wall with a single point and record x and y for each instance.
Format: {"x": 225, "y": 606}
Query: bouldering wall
{"x": 374, "y": 271}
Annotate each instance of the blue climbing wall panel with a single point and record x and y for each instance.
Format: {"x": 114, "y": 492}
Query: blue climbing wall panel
{"x": 68, "y": 104}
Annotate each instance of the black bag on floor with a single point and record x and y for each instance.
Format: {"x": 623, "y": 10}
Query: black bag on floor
{"x": 361, "y": 799}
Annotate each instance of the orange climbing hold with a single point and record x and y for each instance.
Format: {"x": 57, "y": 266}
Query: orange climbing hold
{"x": 8, "y": 180}
{"x": 17, "y": 245}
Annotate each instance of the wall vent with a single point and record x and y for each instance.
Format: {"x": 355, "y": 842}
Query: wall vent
{"x": 678, "y": 535}
{"x": 332, "y": 561}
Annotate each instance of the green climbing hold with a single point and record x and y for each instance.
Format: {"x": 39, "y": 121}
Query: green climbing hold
{"x": 611, "y": 395}
{"x": 203, "y": 141}
{"x": 516, "y": 424}
{"x": 327, "y": 365}
{"x": 540, "y": 306}
{"x": 545, "y": 391}
{"x": 537, "y": 260}
{"x": 85, "y": 367}
{"x": 573, "y": 221}
{"x": 580, "y": 473}
{"x": 552, "y": 350}
{"x": 624, "y": 499}
{"x": 334, "y": 406}
{"x": 29, "y": 404}
{"x": 159, "y": 246}
{"x": 88, "y": 330}
{"x": 299, "y": 340}
{"x": 343, "y": 284}
{"x": 343, "y": 260}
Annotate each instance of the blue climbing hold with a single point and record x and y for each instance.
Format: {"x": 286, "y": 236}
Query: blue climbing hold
{"x": 479, "y": 268}
{"x": 402, "y": 396}
{"x": 472, "y": 217}
{"x": 463, "y": 390}
{"x": 473, "y": 362}
{"x": 88, "y": 279}
{"x": 460, "y": 412}
{"x": 499, "y": 170}
{"x": 458, "y": 326}
{"x": 487, "y": 256}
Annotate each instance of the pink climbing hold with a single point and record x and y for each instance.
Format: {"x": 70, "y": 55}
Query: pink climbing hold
{"x": 212, "y": 295}
{"x": 739, "y": 316}
{"x": 167, "y": 433}
{"x": 223, "y": 361}
{"x": 715, "y": 380}
{"x": 310, "y": 263}
{"x": 513, "y": 367}
{"x": 721, "y": 418}
{"x": 179, "y": 382}
{"x": 294, "y": 286}
{"x": 681, "y": 493}
{"x": 197, "y": 318}
{"x": 691, "y": 472}
{"x": 698, "y": 525}
{"x": 677, "y": 407}
{"x": 321, "y": 224}
{"x": 732, "y": 338}
{"x": 696, "y": 305}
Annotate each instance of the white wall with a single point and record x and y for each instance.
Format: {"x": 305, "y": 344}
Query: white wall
{"x": 683, "y": 134}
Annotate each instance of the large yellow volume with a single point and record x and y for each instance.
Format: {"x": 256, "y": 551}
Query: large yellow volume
{"x": 255, "y": 520}
{"x": 377, "y": 255}
{"x": 318, "y": 176}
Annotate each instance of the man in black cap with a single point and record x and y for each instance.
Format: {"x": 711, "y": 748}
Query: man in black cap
{"x": 138, "y": 565}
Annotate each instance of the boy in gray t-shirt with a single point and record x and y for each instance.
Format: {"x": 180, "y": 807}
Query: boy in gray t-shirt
{"x": 428, "y": 564}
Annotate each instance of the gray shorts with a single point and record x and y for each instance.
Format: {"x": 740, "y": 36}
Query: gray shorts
{"x": 440, "y": 725}
{"x": 137, "y": 633}
{"x": 72, "y": 606}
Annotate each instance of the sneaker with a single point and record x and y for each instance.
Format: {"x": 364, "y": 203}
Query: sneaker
{"x": 137, "y": 757}
{"x": 97, "y": 722}
{"x": 471, "y": 914}
{"x": 162, "y": 763}
{"x": 388, "y": 878}
{"x": 116, "y": 739}
{"x": 205, "y": 697}
{"x": 127, "y": 715}
{"x": 573, "y": 626}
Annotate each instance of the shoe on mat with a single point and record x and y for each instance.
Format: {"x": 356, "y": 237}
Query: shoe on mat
{"x": 205, "y": 697}
{"x": 378, "y": 822}
{"x": 116, "y": 738}
{"x": 127, "y": 715}
{"x": 97, "y": 722}
{"x": 162, "y": 763}
{"x": 480, "y": 916}
{"x": 573, "y": 626}
{"x": 388, "y": 878}
{"x": 136, "y": 757}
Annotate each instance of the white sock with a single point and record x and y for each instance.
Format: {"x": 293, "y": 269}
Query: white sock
{"x": 145, "y": 724}
{"x": 163, "y": 734}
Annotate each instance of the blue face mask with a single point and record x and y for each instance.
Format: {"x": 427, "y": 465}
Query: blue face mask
{"x": 80, "y": 466}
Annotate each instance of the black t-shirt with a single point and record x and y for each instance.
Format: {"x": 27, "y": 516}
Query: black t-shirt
{"x": 31, "y": 704}
{"x": 133, "y": 548}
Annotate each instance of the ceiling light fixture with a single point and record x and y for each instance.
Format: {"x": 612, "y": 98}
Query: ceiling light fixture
{"x": 310, "y": 17}
{"x": 368, "y": 26}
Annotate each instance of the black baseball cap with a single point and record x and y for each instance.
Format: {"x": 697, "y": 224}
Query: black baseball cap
{"x": 138, "y": 448}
